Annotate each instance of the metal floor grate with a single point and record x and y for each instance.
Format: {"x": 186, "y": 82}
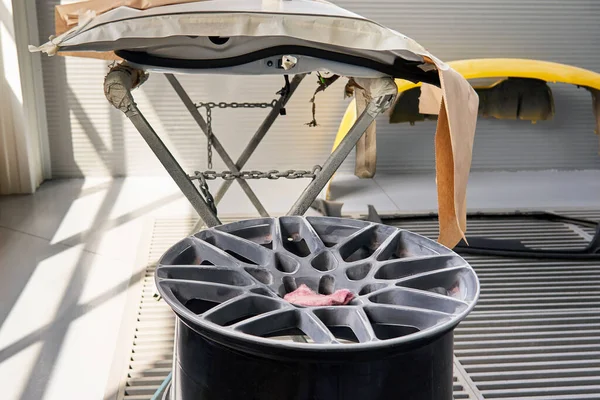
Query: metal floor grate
{"x": 534, "y": 335}
{"x": 152, "y": 350}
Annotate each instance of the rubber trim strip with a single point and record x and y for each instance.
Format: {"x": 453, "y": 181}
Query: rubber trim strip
{"x": 400, "y": 69}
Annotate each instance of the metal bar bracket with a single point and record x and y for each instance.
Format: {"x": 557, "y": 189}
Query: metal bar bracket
{"x": 373, "y": 109}
{"x": 118, "y": 84}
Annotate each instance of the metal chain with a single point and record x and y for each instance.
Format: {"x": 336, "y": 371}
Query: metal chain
{"x": 210, "y": 136}
{"x": 229, "y": 176}
{"x": 210, "y": 201}
{"x": 210, "y": 105}
{"x": 273, "y": 174}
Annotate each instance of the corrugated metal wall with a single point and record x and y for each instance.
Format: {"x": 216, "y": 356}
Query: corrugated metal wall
{"x": 87, "y": 137}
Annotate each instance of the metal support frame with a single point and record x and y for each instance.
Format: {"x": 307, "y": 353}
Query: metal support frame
{"x": 122, "y": 79}
{"x": 189, "y": 104}
{"x": 374, "y": 108}
{"x": 117, "y": 87}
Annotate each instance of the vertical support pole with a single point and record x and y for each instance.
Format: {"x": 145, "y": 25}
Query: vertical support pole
{"x": 596, "y": 105}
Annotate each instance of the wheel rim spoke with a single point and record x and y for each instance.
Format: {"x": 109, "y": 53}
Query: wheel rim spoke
{"x": 233, "y": 278}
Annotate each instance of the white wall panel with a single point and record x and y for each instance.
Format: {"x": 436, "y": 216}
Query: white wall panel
{"x": 87, "y": 137}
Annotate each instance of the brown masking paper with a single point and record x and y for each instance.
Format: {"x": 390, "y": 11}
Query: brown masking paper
{"x": 66, "y": 17}
{"x": 457, "y": 103}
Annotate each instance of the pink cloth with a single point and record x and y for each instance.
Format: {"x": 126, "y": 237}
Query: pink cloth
{"x": 304, "y": 296}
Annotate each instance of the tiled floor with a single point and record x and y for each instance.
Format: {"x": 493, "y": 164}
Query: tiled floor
{"x": 68, "y": 253}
